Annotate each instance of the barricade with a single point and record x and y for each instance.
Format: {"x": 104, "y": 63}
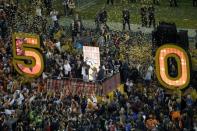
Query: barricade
{"x": 78, "y": 86}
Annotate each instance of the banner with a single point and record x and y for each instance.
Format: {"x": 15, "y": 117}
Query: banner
{"x": 92, "y": 58}
{"x": 111, "y": 84}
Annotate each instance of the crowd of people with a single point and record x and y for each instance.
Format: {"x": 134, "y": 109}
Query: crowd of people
{"x": 143, "y": 105}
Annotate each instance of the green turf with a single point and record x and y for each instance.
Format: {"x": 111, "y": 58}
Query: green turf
{"x": 185, "y": 16}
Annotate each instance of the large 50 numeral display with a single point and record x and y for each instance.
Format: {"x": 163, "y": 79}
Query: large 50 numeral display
{"x": 27, "y": 59}
{"x": 183, "y": 74}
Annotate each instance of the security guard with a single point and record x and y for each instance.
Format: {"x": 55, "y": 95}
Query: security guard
{"x": 126, "y": 18}
{"x": 151, "y": 16}
{"x": 144, "y": 16}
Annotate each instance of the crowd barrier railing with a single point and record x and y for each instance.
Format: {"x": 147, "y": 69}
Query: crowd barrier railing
{"x": 80, "y": 87}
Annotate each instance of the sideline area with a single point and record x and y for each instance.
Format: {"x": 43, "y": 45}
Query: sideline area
{"x": 64, "y": 21}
